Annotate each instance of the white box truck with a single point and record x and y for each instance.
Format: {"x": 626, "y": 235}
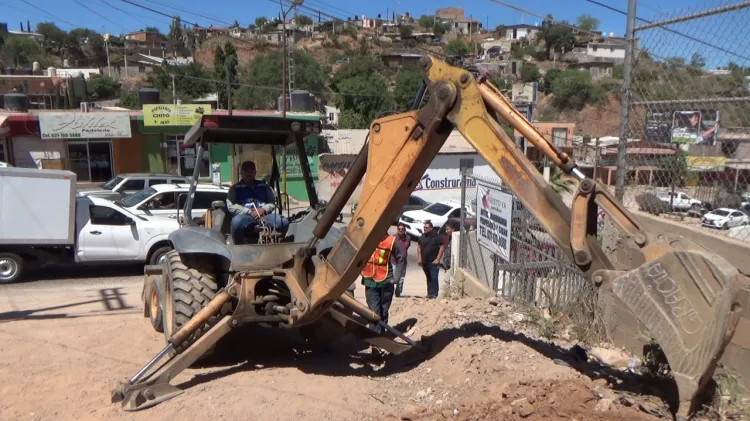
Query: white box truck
{"x": 42, "y": 221}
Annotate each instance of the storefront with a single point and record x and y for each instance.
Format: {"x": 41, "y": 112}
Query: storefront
{"x": 164, "y": 135}
{"x": 95, "y": 146}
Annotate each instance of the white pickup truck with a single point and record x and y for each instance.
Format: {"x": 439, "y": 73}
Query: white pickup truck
{"x": 42, "y": 221}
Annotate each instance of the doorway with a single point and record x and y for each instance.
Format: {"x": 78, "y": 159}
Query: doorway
{"x": 181, "y": 160}
{"x": 91, "y": 160}
{"x": 4, "y": 151}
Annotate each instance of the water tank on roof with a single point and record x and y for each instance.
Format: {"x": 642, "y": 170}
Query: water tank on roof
{"x": 280, "y": 104}
{"x": 302, "y": 101}
{"x": 36, "y": 67}
{"x": 148, "y": 96}
{"x": 80, "y": 89}
{"x": 16, "y": 102}
{"x": 51, "y": 72}
{"x": 66, "y": 63}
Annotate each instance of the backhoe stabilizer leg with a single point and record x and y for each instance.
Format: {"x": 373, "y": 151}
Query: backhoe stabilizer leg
{"x": 691, "y": 304}
{"x": 155, "y": 388}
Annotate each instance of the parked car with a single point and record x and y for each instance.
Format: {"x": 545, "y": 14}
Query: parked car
{"x": 725, "y": 218}
{"x": 437, "y": 213}
{"x": 414, "y": 203}
{"x": 166, "y": 199}
{"x": 126, "y": 184}
{"x": 74, "y": 229}
{"x": 681, "y": 201}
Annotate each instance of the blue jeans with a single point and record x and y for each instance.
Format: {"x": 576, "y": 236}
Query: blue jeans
{"x": 400, "y": 282}
{"x": 242, "y": 223}
{"x": 431, "y": 272}
{"x": 379, "y": 300}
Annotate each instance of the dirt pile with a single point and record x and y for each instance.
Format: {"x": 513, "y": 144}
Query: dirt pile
{"x": 486, "y": 361}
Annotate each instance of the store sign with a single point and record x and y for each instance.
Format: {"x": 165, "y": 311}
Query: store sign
{"x": 84, "y": 125}
{"x": 495, "y": 211}
{"x": 173, "y": 115}
{"x": 706, "y": 163}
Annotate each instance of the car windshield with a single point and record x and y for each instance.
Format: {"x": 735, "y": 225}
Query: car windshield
{"x": 137, "y": 198}
{"x": 720, "y": 212}
{"x": 438, "y": 209}
{"x": 111, "y": 184}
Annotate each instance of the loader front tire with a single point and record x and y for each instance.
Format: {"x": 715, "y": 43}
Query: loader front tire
{"x": 189, "y": 290}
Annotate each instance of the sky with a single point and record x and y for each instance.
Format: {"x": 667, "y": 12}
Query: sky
{"x": 118, "y": 16}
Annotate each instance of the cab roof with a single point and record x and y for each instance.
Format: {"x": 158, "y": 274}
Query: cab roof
{"x": 250, "y": 130}
{"x": 183, "y": 186}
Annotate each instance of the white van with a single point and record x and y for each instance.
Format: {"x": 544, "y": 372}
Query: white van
{"x": 165, "y": 199}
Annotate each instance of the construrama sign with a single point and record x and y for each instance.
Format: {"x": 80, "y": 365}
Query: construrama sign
{"x": 84, "y": 125}
{"x": 429, "y": 183}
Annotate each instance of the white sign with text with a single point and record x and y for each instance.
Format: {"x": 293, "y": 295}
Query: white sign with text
{"x": 494, "y": 215}
{"x": 84, "y": 125}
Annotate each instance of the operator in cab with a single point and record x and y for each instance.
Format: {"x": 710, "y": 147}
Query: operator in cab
{"x": 250, "y": 200}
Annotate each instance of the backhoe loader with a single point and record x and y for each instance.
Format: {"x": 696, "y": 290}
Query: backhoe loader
{"x": 693, "y": 302}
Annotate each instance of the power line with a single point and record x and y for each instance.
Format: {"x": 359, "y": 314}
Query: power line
{"x": 214, "y": 19}
{"x": 120, "y": 10}
{"x": 692, "y": 38}
{"x": 48, "y": 14}
{"x": 100, "y": 15}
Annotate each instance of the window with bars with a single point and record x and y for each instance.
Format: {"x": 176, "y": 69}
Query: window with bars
{"x": 560, "y": 137}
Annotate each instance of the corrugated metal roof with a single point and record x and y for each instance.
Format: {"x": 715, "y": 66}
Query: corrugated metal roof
{"x": 350, "y": 142}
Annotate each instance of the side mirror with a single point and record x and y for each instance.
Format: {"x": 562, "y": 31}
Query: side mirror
{"x": 131, "y": 221}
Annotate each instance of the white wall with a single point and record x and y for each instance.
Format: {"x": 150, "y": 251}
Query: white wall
{"x": 332, "y": 110}
{"x": 605, "y": 52}
{"x": 28, "y": 151}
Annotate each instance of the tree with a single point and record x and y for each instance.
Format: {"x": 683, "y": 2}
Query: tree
{"x": 152, "y": 29}
{"x": 426, "y": 21}
{"x": 529, "y": 72}
{"x": 175, "y": 34}
{"x": 102, "y": 87}
{"x": 263, "y": 71}
{"x": 558, "y": 182}
{"x": 23, "y": 51}
{"x": 407, "y": 83}
{"x": 304, "y": 20}
{"x": 587, "y": 23}
{"x": 361, "y": 99}
{"x": 549, "y": 77}
{"x": 191, "y": 81}
{"x": 54, "y": 37}
{"x": 572, "y": 89}
{"x": 405, "y": 32}
{"x": 697, "y": 61}
{"x": 260, "y": 21}
{"x": 558, "y": 38}
{"x": 439, "y": 28}
{"x": 457, "y": 47}
{"x": 225, "y": 69}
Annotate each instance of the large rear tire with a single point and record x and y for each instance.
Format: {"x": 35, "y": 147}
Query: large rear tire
{"x": 189, "y": 290}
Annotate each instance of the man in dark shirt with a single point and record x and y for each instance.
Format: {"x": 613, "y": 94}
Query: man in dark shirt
{"x": 403, "y": 241}
{"x": 429, "y": 253}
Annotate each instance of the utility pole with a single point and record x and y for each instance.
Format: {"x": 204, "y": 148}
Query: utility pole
{"x": 174, "y": 92}
{"x": 284, "y": 85}
{"x": 625, "y": 102}
{"x": 106, "y": 48}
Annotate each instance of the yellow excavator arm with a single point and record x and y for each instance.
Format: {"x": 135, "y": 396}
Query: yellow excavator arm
{"x": 692, "y": 301}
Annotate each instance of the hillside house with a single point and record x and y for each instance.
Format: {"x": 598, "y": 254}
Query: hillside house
{"x": 456, "y": 21}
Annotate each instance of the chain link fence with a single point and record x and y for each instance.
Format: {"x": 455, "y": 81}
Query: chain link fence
{"x": 536, "y": 270}
{"x": 687, "y": 122}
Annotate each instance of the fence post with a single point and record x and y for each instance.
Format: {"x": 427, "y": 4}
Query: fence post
{"x": 627, "y": 77}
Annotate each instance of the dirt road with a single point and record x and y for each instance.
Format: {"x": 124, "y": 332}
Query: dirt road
{"x": 64, "y": 343}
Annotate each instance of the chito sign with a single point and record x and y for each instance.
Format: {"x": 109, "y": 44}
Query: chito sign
{"x": 84, "y": 125}
{"x": 494, "y": 213}
{"x": 173, "y": 115}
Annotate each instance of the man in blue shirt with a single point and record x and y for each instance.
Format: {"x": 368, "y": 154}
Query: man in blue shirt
{"x": 248, "y": 201}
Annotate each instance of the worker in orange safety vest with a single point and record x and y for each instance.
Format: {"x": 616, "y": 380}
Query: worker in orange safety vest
{"x": 379, "y": 278}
